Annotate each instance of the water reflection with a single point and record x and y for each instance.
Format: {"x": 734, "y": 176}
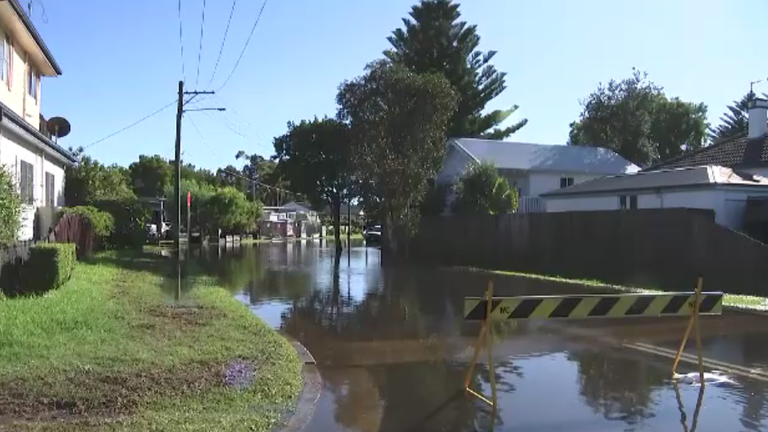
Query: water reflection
{"x": 393, "y": 349}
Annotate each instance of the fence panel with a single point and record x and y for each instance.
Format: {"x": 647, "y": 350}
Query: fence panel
{"x": 654, "y": 248}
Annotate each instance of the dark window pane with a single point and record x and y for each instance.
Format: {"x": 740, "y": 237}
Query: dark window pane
{"x": 633, "y": 202}
{"x": 623, "y": 202}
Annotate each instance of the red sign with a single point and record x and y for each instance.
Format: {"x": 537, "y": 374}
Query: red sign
{"x": 189, "y": 198}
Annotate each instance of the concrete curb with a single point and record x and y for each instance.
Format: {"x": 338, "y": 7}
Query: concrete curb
{"x": 299, "y": 417}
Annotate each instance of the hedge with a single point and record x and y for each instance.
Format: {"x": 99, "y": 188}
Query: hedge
{"x": 49, "y": 266}
{"x": 130, "y": 217}
{"x": 102, "y": 222}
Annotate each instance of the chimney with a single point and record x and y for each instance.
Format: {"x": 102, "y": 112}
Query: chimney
{"x": 758, "y": 118}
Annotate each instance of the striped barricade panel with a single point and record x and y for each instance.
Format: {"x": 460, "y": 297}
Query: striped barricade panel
{"x": 592, "y": 306}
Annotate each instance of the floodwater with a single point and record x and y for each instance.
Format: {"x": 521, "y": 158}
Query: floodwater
{"x": 393, "y": 350}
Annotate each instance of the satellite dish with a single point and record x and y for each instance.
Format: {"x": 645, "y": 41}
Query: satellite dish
{"x": 59, "y": 127}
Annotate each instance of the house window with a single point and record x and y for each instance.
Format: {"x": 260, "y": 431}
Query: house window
{"x": 565, "y": 182}
{"x": 50, "y": 190}
{"x": 3, "y": 62}
{"x": 26, "y": 182}
{"x": 628, "y": 199}
{"x": 32, "y": 83}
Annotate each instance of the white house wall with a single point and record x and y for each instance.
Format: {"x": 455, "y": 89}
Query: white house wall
{"x": 13, "y": 150}
{"x": 542, "y": 182}
{"x": 456, "y": 161}
{"x": 728, "y": 205}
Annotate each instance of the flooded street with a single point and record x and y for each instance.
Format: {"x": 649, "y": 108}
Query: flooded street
{"x": 392, "y": 348}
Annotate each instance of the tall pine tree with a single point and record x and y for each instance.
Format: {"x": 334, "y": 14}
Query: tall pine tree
{"x": 435, "y": 41}
{"x": 735, "y": 121}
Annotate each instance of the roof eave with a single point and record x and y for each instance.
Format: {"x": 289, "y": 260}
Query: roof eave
{"x": 35, "y": 35}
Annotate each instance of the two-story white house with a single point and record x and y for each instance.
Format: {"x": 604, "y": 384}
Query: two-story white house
{"x": 533, "y": 169}
{"x": 26, "y": 148}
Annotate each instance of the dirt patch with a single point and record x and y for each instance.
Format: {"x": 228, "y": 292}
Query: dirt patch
{"x": 184, "y": 315}
{"x": 101, "y": 394}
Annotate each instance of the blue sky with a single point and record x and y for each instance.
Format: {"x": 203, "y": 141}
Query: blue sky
{"x": 121, "y": 61}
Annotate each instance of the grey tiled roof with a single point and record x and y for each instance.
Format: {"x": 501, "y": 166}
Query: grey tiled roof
{"x": 666, "y": 178}
{"x": 543, "y": 157}
{"x": 740, "y": 152}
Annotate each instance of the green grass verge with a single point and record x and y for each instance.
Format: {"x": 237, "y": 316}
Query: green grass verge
{"x": 738, "y": 301}
{"x": 110, "y": 350}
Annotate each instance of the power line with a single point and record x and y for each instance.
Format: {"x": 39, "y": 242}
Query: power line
{"x": 237, "y": 174}
{"x": 181, "y": 44}
{"x": 223, "y": 41}
{"x": 253, "y": 29}
{"x": 130, "y": 125}
{"x": 200, "y": 49}
{"x": 194, "y": 125}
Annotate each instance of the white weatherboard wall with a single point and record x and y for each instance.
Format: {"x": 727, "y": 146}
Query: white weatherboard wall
{"x": 728, "y": 204}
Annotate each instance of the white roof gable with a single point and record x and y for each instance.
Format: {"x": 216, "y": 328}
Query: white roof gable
{"x": 543, "y": 157}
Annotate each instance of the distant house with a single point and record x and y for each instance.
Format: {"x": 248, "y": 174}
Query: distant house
{"x": 293, "y": 211}
{"x": 729, "y": 177}
{"x": 26, "y": 148}
{"x": 533, "y": 169}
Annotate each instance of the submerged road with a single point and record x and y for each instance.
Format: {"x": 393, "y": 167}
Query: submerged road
{"x": 392, "y": 349}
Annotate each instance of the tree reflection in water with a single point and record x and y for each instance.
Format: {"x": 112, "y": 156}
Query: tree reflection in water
{"x": 399, "y": 395}
{"x": 618, "y": 388}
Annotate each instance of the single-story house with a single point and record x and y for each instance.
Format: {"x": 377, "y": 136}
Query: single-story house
{"x": 729, "y": 177}
{"x": 532, "y": 169}
{"x": 712, "y": 187}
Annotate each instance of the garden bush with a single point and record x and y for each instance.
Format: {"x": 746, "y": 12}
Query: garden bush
{"x": 48, "y": 267}
{"x": 131, "y": 217}
{"x": 102, "y": 222}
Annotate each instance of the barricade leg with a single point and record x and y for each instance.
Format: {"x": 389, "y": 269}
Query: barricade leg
{"x": 692, "y": 322}
{"x": 484, "y": 339}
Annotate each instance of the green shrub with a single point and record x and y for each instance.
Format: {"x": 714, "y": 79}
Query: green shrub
{"x": 102, "y": 222}
{"x": 10, "y": 208}
{"x": 130, "y": 220}
{"x": 48, "y": 267}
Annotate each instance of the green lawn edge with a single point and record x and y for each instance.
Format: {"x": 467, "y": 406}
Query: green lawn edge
{"x": 735, "y": 301}
{"x": 113, "y": 349}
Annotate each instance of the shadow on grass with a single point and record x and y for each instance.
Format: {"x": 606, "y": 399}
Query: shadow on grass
{"x": 137, "y": 261}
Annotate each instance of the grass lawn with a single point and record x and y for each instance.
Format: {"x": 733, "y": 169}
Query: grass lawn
{"x": 109, "y": 350}
{"x": 738, "y": 301}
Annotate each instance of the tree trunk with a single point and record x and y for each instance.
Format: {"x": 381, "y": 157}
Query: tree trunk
{"x": 337, "y": 224}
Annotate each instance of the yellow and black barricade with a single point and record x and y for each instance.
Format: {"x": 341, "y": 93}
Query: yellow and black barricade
{"x": 592, "y": 306}
{"x": 489, "y": 308}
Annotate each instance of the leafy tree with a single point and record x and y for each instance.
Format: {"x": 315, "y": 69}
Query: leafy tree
{"x": 435, "y": 41}
{"x": 229, "y": 210}
{"x": 481, "y": 190}
{"x": 316, "y": 156}
{"x": 150, "y": 175}
{"x": 229, "y": 176}
{"x": 735, "y": 121}
{"x": 89, "y": 181}
{"x": 397, "y": 122}
{"x": 257, "y": 169}
{"x": 189, "y": 172}
{"x": 635, "y": 119}
{"x": 201, "y": 192}
{"x": 434, "y": 200}
{"x": 10, "y": 208}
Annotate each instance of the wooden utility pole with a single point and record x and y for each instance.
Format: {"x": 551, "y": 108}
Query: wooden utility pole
{"x": 177, "y": 165}
{"x": 177, "y": 169}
